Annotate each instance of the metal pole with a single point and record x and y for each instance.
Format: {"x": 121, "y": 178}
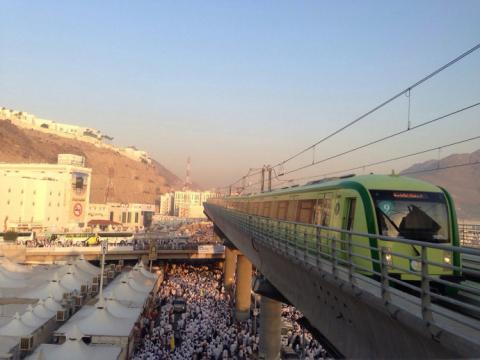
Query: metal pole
{"x": 425, "y": 287}
{"x": 102, "y": 270}
{"x": 269, "y": 178}
{"x": 384, "y": 276}
{"x": 262, "y": 187}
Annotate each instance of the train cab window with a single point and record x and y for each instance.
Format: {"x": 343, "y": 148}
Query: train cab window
{"x": 282, "y": 210}
{"x": 414, "y": 215}
{"x": 322, "y": 212}
{"x": 305, "y": 211}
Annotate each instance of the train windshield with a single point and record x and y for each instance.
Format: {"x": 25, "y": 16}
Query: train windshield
{"x": 412, "y": 215}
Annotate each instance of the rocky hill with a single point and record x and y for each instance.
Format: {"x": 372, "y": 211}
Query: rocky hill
{"x": 130, "y": 180}
{"x": 463, "y": 182}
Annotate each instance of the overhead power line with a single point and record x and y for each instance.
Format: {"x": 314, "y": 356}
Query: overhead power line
{"x": 429, "y": 122}
{"x": 387, "y": 160}
{"x": 376, "y": 108}
{"x": 396, "y": 96}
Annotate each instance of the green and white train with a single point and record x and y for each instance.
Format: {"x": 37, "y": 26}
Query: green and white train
{"x": 388, "y": 205}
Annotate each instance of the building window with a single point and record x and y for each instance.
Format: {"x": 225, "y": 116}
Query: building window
{"x": 21, "y": 192}
{"x": 8, "y": 202}
{"x": 136, "y": 218}
{"x": 124, "y": 217}
{"x": 59, "y": 193}
{"x": 58, "y": 204}
{"x": 50, "y": 193}
{"x": 129, "y": 218}
{"x": 57, "y": 218}
{"x": 49, "y": 204}
{"x": 34, "y": 192}
{"x": 9, "y": 190}
{"x": 21, "y": 203}
{"x": 48, "y": 219}
{"x": 33, "y": 203}
{"x": 111, "y": 215}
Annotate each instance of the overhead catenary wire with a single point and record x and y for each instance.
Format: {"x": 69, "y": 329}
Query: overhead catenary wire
{"x": 386, "y": 102}
{"x": 380, "y": 162}
{"x": 406, "y": 91}
{"x": 390, "y": 136}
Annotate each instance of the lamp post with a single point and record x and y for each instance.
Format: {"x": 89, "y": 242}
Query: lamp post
{"x": 104, "y": 245}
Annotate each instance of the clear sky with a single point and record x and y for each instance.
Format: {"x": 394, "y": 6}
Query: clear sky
{"x": 245, "y": 83}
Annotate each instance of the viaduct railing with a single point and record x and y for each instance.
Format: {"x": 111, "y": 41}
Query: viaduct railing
{"x": 444, "y": 303}
{"x": 469, "y": 235}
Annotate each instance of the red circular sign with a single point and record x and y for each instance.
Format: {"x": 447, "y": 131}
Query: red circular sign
{"x": 77, "y": 209}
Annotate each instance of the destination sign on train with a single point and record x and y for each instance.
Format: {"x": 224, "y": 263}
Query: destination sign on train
{"x": 409, "y": 195}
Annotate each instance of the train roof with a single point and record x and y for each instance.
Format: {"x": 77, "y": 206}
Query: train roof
{"x": 370, "y": 182}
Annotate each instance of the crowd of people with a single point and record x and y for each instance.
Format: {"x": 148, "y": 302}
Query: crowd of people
{"x": 298, "y": 338}
{"x": 205, "y": 330}
{"x": 192, "y": 318}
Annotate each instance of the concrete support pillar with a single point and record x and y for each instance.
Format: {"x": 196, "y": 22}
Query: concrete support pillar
{"x": 270, "y": 329}
{"x": 229, "y": 268}
{"x": 243, "y": 288}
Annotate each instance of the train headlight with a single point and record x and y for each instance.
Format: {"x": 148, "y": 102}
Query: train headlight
{"x": 388, "y": 258}
{"x": 447, "y": 257}
{"x": 416, "y": 265}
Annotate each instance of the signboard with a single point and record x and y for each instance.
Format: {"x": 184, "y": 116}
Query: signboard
{"x": 152, "y": 254}
{"x": 210, "y": 249}
{"x": 77, "y": 209}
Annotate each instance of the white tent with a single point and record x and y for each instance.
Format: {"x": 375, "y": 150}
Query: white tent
{"x": 41, "y": 311}
{"x": 70, "y": 281}
{"x": 16, "y": 327}
{"x": 84, "y": 265}
{"x": 11, "y": 266}
{"x": 30, "y": 319}
{"x": 144, "y": 272}
{"x": 10, "y": 282}
{"x": 125, "y": 293}
{"x": 120, "y": 310}
{"x": 99, "y": 322}
{"x": 42, "y": 291}
{"x": 75, "y": 349}
{"x": 51, "y": 305}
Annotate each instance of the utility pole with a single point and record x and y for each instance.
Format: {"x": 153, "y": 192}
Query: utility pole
{"x": 262, "y": 188}
{"x": 269, "y": 178}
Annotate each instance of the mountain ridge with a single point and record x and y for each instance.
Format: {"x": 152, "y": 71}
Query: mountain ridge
{"x": 130, "y": 181}
{"x": 459, "y": 174}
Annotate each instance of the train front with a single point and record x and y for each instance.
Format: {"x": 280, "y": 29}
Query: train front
{"x": 425, "y": 217}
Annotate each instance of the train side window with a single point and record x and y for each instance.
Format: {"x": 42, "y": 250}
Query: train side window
{"x": 282, "y": 210}
{"x": 322, "y": 212}
{"x": 305, "y": 211}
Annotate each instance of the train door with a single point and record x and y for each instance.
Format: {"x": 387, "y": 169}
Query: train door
{"x": 348, "y": 222}
{"x": 349, "y": 218}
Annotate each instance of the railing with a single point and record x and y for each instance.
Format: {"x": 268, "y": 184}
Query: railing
{"x": 469, "y": 235}
{"x": 381, "y": 265}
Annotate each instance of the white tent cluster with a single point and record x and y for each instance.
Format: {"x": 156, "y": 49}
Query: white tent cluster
{"x": 75, "y": 349}
{"x": 117, "y": 309}
{"x": 35, "y": 299}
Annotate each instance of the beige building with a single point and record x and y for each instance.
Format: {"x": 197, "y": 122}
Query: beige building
{"x": 53, "y": 197}
{"x": 165, "y": 204}
{"x": 132, "y": 217}
{"x": 186, "y": 204}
